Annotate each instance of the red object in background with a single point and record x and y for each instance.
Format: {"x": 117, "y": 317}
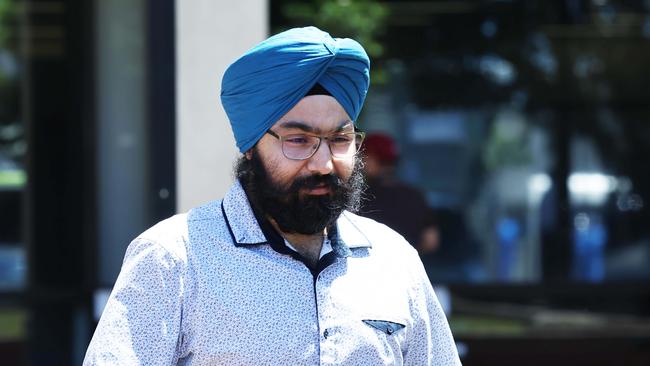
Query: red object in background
{"x": 382, "y": 147}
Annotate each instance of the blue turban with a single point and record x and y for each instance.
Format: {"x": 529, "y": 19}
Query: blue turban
{"x": 271, "y": 78}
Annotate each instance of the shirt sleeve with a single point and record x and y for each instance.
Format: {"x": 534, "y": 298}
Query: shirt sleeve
{"x": 141, "y": 323}
{"x": 430, "y": 342}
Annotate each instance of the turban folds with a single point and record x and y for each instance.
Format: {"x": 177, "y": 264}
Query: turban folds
{"x": 271, "y": 78}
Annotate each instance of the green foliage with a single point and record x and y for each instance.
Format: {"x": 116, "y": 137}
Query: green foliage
{"x": 7, "y": 15}
{"x": 13, "y": 323}
{"x": 362, "y": 20}
{"x": 7, "y": 12}
{"x": 507, "y": 144}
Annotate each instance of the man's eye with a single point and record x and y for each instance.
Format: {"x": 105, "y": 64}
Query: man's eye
{"x": 297, "y": 139}
{"x": 341, "y": 139}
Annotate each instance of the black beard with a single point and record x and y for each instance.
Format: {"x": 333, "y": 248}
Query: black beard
{"x": 292, "y": 212}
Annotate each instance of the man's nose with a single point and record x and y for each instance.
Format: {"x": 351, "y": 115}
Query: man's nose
{"x": 321, "y": 161}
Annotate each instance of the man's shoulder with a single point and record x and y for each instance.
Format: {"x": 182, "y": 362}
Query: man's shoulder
{"x": 365, "y": 223}
{"x": 168, "y": 234}
{"x": 388, "y": 248}
{"x": 379, "y": 235}
{"x": 173, "y": 233}
{"x": 177, "y": 226}
{"x": 171, "y": 227}
{"x": 208, "y": 211}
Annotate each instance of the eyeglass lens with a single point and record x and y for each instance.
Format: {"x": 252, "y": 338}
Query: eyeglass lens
{"x": 303, "y": 146}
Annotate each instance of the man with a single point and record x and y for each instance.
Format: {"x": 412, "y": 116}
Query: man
{"x": 279, "y": 272}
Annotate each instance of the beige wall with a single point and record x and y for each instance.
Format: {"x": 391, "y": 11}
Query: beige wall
{"x": 209, "y": 36}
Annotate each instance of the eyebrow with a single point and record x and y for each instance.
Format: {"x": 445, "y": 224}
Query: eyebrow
{"x": 307, "y": 128}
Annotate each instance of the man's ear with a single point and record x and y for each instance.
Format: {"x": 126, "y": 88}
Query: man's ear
{"x": 249, "y": 154}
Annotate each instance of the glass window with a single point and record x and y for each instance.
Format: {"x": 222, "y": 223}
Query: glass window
{"x": 609, "y": 188}
{"x": 12, "y": 153}
{"x": 12, "y": 183}
{"x": 523, "y": 124}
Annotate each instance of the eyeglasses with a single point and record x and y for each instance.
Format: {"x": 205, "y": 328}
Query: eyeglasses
{"x": 303, "y": 146}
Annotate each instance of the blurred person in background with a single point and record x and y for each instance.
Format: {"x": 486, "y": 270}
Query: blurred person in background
{"x": 440, "y": 236}
{"x": 280, "y": 272}
{"x": 393, "y": 202}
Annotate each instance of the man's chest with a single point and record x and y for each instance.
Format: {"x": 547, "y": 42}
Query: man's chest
{"x": 270, "y": 309}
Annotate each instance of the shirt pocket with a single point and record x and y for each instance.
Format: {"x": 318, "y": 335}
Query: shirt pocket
{"x": 385, "y": 326}
{"x": 388, "y": 337}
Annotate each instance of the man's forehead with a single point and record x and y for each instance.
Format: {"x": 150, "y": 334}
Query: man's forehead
{"x": 313, "y": 127}
{"x": 315, "y": 113}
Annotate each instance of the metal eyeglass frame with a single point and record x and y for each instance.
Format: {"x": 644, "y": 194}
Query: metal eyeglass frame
{"x": 358, "y": 133}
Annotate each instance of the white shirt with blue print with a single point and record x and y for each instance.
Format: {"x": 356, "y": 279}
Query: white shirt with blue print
{"x": 208, "y": 288}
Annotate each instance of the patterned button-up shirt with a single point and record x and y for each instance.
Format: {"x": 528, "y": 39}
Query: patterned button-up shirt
{"x": 217, "y": 286}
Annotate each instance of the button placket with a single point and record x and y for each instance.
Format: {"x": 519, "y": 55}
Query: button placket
{"x": 321, "y": 299}
{"x": 327, "y": 349}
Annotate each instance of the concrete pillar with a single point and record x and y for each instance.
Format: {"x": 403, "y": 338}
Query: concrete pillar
{"x": 121, "y": 112}
{"x": 209, "y": 36}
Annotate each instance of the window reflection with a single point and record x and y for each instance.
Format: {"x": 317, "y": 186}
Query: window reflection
{"x": 525, "y": 125}
{"x": 12, "y": 153}
{"x": 607, "y": 186}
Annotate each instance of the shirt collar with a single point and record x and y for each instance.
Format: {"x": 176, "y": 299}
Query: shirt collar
{"x": 245, "y": 228}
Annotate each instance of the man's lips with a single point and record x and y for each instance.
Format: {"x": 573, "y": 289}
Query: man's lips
{"x": 320, "y": 189}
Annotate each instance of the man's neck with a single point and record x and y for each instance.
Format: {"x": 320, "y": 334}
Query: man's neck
{"x": 308, "y": 246}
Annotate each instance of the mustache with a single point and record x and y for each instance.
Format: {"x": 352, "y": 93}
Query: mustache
{"x": 331, "y": 181}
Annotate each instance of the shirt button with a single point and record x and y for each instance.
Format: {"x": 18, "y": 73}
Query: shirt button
{"x": 389, "y": 330}
{"x": 326, "y": 333}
